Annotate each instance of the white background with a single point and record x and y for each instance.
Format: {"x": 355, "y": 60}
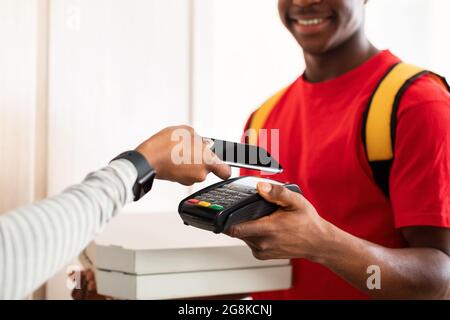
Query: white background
{"x": 82, "y": 80}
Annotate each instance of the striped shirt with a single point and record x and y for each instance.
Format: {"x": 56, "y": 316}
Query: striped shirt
{"x": 36, "y": 241}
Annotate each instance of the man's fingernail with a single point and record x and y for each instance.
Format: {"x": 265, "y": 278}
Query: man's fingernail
{"x": 265, "y": 187}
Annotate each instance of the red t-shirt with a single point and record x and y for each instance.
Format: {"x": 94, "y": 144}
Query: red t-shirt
{"x": 321, "y": 150}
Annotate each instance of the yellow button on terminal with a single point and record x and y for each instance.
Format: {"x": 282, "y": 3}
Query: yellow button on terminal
{"x": 204, "y": 204}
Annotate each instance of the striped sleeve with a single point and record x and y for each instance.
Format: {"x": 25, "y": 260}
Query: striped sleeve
{"x": 38, "y": 240}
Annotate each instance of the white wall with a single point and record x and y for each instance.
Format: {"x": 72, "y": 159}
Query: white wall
{"x": 19, "y": 100}
{"x": 23, "y": 100}
{"x": 119, "y": 72}
{"x": 415, "y": 30}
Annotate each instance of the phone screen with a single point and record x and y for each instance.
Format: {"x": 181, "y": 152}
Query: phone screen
{"x": 245, "y": 156}
{"x": 252, "y": 182}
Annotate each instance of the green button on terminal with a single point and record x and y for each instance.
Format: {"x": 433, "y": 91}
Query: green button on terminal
{"x": 216, "y": 207}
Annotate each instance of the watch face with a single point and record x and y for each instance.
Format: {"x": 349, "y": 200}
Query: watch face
{"x": 147, "y": 181}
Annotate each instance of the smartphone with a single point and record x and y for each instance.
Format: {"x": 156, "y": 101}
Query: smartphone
{"x": 246, "y": 156}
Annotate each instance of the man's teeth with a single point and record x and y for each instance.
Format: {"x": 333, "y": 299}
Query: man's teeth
{"x": 310, "y": 22}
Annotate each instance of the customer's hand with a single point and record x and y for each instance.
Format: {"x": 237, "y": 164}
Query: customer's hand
{"x": 88, "y": 287}
{"x": 295, "y": 231}
{"x": 178, "y": 154}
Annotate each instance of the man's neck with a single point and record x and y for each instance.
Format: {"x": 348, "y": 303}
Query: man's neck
{"x": 340, "y": 60}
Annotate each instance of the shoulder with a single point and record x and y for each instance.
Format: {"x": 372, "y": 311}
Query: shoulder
{"x": 425, "y": 108}
{"x": 425, "y": 91}
{"x": 259, "y": 117}
{"x": 273, "y": 100}
{"x": 264, "y": 110}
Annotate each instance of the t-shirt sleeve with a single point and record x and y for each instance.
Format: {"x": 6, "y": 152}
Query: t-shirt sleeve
{"x": 420, "y": 176}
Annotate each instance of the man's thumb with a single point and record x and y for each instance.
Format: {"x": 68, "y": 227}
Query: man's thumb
{"x": 276, "y": 194}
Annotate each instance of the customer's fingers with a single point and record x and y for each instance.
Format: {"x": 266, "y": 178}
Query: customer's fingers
{"x": 223, "y": 171}
{"x": 215, "y": 165}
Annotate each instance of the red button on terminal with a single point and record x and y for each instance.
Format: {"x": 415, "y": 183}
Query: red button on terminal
{"x": 193, "y": 201}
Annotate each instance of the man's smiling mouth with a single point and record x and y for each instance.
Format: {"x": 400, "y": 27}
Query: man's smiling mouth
{"x": 310, "y": 22}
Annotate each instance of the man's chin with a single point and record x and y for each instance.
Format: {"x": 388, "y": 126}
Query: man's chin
{"x": 315, "y": 50}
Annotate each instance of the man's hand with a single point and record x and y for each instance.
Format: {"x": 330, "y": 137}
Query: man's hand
{"x": 178, "y": 154}
{"x": 294, "y": 231}
{"x": 421, "y": 271}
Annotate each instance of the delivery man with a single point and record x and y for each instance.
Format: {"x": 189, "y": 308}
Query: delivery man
{"x": 367, "y": 138}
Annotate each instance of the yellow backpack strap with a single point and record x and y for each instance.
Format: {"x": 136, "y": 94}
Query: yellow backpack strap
{"x": 261, "y": 115}
{"x": 380, "y": 118}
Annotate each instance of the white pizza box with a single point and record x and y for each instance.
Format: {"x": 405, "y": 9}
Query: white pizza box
{"x": 155, "y": 256}
{"x": 193, "y": 284}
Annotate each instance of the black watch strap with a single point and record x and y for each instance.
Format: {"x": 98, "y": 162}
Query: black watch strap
{"x": 146, "y": 174}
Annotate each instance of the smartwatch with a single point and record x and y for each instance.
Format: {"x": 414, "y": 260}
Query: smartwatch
{"x": 146, "y": 174}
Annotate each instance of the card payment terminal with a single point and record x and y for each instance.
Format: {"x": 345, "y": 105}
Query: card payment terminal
{"x": 227, "y": 203}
